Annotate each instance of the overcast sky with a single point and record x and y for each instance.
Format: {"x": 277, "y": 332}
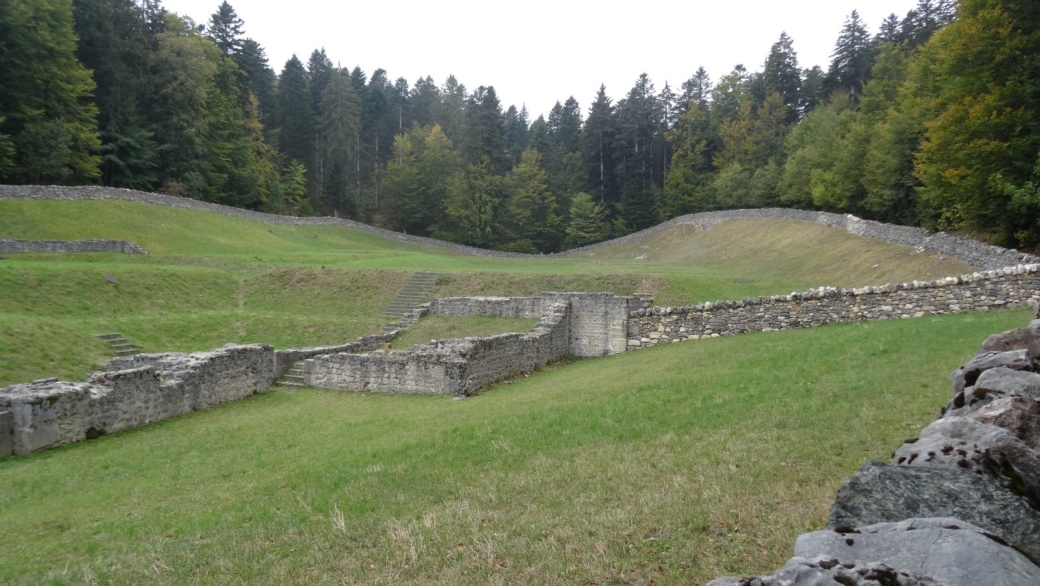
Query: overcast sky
{"x": 538, "y": 51}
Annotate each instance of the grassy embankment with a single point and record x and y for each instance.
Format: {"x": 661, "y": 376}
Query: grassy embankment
{"x": 211, "y": 279}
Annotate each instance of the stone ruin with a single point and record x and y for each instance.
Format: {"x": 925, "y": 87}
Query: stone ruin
{"x": 959, "y": 506}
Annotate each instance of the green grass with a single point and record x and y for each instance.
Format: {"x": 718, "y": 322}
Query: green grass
{"x": 675, "y": 464}
{"x": 440, "y": 327}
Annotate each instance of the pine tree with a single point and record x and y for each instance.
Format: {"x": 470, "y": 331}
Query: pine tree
{"x": 423, "y": 99}
{"x": 598, "y": 137}
{"x": 339, "y": 124}
{"x": 852, "y": 58}
{"x": 258, "y": 79}
{"x": 781, "y": 75}
{"x": 54, "y": 131}
{"x": 296, "y": 114}
{"x": 487, "y": 130}
{"x": 113, "y": 44}
{"x": 532, "y": 220}
{"x": 587, "y": 222}
{"x": 225, "y": 29}
{"x": 696, "y": 92}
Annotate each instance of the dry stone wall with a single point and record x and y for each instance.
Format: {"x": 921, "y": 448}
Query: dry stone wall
{"x": 14, "y": 245}
{"x": 977, "y": 254}
{"x": 134, "y": 391}
{"x": 457, "y": 367}
{"x": 1007, "y": 288}
{"x": 283, "y": 359}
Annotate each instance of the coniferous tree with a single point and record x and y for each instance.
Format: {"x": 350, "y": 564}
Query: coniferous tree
{"x": 423, "y": 99}
{"x": 531, "y": 217}
{"x": 587, "y": 222}
{"x": 598, "y": 137}
{"x": 114, "y": 46}
{"x": 781, "y": 75}
{"x": 225, "y": 29}
{"x": 295, "y": 114}
{"x": 339, "y": 124}
{"x": 54, "y": 131}
{"x": 852, "y": 58}
{"x": 258, "y": 79}
{"x": 487, "y": 130}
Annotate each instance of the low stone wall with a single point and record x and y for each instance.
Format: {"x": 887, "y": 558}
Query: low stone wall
{"x": 14, "y": 245}
{"x": 456, "y": 367}
{"x": 959, "y": 506}
{"x": 283, "y": 359}
{"x": 134, "y": 391}
{"x": 521, "y": 307}
{"x": 967, "y": 250}
{"x": 1006, "y": 288}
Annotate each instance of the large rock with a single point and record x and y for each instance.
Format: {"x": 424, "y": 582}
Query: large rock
{"x": 1027, "y": 338}
{"x": 882, "y": 493}
{"x": 827, "y": 571}
{"x": 991, "y": 385}
{"x": 947, "y": 550}
{"x": 1020, "y": 416}
{"x": 966, "y": 375}
{"x": 972, "y": 446}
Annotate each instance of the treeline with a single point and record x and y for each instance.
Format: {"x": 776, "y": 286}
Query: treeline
{"x": 932, "y": 120}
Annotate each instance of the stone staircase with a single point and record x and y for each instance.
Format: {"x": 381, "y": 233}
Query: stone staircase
{"x": 412, "y": 294}
{"x": 118, "y": 344}
{"x": 293, "y": 376}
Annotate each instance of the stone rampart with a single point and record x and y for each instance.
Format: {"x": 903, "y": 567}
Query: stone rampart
{"x": 134, "y": 391}
{"x": 14, "y": 245}
{"x": 457, "y": 367}
{"x": 970, "y": 251}
{"x": 999, "y": 289}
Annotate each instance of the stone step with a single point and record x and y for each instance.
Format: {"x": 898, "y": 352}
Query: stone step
{"x": 109, "y": 336}
{"x": 127, "y": 352}
{"x": 286, "y": 383}
{"x": 123, "y": 346}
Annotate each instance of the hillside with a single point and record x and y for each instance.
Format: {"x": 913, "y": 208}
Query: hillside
{"x": 211, "y": 279}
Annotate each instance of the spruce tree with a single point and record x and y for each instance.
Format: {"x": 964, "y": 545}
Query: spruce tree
{"x": 781, "y": 75}
{"x": 587, "y": 222}
{"x": 225, "y": 29}
{"x": 852, "y": 58}
{"x": 54, "y": 131}
{"x": 598, "y": 138}
{"x": 295, "y": 114}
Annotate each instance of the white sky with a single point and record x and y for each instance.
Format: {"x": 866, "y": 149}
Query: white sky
{"x": 537, "y": 52}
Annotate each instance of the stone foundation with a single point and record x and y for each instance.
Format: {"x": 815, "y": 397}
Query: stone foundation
{"x": 14, "y": 245}
{"x": 134, "y": 391}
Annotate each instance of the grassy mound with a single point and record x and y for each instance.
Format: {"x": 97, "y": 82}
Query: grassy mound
{"x": 675, "y": 464}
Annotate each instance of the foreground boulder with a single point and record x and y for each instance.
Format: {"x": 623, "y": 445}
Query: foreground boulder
{"x": 827, "y": 571}
{"x": 882, "y": 493}
{"x": 991, "y": 385}
{"x": 946, "y": 550}
{"x": 1027, "y": 338}
{"x": 966, "y": 375}
{"x": 966, "y": 444}
{"x": 1020, "y": 416}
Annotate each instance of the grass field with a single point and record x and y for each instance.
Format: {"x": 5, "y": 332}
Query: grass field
{"x": 675, "y": 465}
{"x": 670, "y": 465}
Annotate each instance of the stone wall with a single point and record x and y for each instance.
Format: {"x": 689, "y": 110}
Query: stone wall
{"x": 283, "y": 359}
{"x": 133, "y": 391}
{"x": 456, "y": 367}
{"x": 959, "y": 506}
{"x": 1006, "y": 288}
{"x": 14, "y": 245}
{"x": 520, "y": 307}
{"x": 970, "y": 251}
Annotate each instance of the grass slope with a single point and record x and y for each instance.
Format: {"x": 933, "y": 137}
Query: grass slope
{"x": 211, "y": 279}
{"x": 671, "y": 465}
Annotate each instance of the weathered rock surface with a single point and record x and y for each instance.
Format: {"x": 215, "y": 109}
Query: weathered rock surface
{"x": 966, "y": 375}
{"x": 882, "y": 493}
{"x": 947, "y": 550}
{"x": 991, "y": 385}
{"x": 827, "y": 571}
{"x": 1020, "y": 416}
{"x": 966, "y": 444}
{"x": 1027, "y": 338}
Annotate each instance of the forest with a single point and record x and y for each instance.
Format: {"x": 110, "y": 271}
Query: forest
{"x": 932, "y": 120}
